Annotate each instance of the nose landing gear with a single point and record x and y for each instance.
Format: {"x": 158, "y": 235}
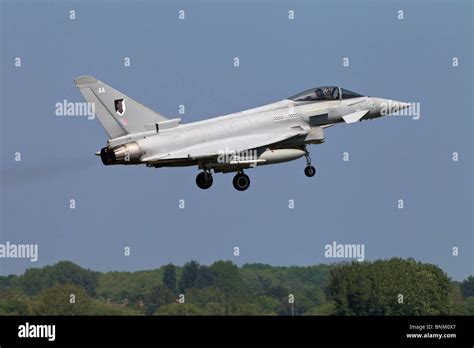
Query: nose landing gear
{"x": 309, "y": 170}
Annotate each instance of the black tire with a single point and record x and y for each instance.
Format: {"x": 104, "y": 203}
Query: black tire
{"x": 309, "y": 171}
{"x": 241, "y": 182}
{"x": 204, "y": 180}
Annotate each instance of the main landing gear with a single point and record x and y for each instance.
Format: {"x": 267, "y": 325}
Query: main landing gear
{"x": 204, "y": 180}
{"x": 241, "y": 181}
{"x": 309, "y": 171}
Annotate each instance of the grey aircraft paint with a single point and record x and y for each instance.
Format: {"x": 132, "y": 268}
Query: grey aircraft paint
{"x": 269, "y": 134}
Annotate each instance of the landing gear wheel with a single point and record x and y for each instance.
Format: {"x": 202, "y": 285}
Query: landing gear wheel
{"x": 309, "y": 171}
{"x": 204, "y": 180}
{"x": 241, "y": 182}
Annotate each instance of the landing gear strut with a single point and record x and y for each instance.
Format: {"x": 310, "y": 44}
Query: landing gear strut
{"x": 204, "y": 180}
{"x": 309, "y": 171}
{"x": 241, "y": 181}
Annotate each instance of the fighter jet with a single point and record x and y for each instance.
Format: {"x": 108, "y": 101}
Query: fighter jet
{"x": 269, "y": 134}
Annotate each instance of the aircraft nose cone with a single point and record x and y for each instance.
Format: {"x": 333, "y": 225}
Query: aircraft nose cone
{"x": 387, "y": 106}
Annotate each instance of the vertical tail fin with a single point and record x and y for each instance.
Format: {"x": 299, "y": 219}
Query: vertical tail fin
{"x": 118, "y": 114}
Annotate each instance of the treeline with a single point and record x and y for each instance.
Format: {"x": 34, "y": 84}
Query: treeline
{"x": 384, "y": 287}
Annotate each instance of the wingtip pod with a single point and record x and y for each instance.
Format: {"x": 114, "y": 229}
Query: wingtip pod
{"x": 85, "y": 80}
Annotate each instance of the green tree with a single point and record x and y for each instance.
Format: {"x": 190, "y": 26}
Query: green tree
{"x": 390, "y": 287}
{"x": 228, "y": 280}
{"x": 326, "y": 308}
{"x": 159, "y": 296}
{"x": 205, "y": 277}
{"x": 457, "y": 300}
{"x": 117, "y": 286}
{"x": 189, "y": 276}
{"x": 267, "y": 304}
{"x": 467, "y": 287}
{"x": 210, "y": 299}
{"x": 99, "y": 307}
{"x": 179, "y": 309}
{"x": 65, "y": 272}
{"x": 14, "y": 302}
{"x": 63, "y": 299}
{"x": 214, "y": 308}
{"x": 6, "y": 282}
{"x": 469, "y": 305}
{"x": 169, "y": 277}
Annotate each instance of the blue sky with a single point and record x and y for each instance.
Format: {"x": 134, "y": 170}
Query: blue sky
{"x": 190, "y": 62}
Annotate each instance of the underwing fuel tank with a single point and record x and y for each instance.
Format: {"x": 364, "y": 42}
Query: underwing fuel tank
{"x": 279, "y": 155}
{"x": 268, "y": 156}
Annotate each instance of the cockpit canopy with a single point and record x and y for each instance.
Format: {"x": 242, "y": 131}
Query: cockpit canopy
{"x": 324, "y": 93}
